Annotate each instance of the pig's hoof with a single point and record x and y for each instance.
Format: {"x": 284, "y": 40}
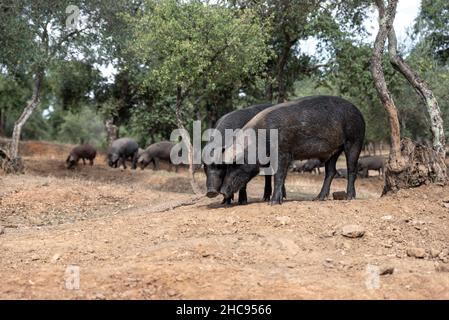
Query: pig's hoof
{"x": 243, "y": 202}
{"x": 227, "y": 201}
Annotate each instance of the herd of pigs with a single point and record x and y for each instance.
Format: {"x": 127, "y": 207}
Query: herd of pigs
{"x": 312, "y": 133}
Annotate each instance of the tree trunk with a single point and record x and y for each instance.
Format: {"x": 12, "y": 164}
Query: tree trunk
{"x": 424, "y": 166}
{"x": 269, "y": 90}
{"x": 2, "y": 123}
{"x": 186, "y": 139}
{"x": 8, "y": 165}
{"x": 280, "y": 77}
{"x": 423, "y": 90}
{"x": 111, "y": 131}
{"x": 410, "y": 164}
{"x": 396, "y": 162}
{"x": 32, "y": 104}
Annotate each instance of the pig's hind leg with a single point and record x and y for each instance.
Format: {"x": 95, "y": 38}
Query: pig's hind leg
{"x": 330, "y": 171}
{"x": 352, "y": 152}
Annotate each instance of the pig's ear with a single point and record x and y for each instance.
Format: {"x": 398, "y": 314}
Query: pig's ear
{"x": 68, "y": 158}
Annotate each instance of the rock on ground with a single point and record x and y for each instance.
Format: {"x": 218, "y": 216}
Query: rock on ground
{"x": 353, "y": 231}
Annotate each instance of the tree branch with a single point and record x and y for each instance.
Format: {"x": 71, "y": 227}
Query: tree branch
{"x": 423, "y": 90}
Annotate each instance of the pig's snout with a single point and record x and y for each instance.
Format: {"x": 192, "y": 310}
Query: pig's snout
{"x": 211, "y": 193}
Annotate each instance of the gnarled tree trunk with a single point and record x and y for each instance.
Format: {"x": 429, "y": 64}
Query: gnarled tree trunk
{"x": 33, "y": 103}
{"x": 423, "y": 90}
{"x": 410, "y": 164}
{"x": 396, "y": 162}
{"x": 8, "y": 165}
{"x": 424, "y": 166}
{"x": 111, "y": 131}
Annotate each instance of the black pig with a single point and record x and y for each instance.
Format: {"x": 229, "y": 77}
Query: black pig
{"x": 313, "y": 165}
{"x": 84, "y": 151}
{"x": 155, "y": 152}
{"x": 121, "y": 150}
{"x": 371, "y": 163}
{"x": 215, "y": 172}
{"x": 319, "y": 127}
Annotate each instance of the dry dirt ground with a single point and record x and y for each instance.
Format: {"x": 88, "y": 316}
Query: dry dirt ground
{"x": 105, "y": 222}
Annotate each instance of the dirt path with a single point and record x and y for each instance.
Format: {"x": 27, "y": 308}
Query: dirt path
{"x": 98, "y": 220}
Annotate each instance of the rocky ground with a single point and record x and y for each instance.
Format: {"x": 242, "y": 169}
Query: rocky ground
{"x": 113, "y": 227}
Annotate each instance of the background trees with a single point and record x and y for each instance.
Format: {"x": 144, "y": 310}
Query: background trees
{"x": 210, "y": 57}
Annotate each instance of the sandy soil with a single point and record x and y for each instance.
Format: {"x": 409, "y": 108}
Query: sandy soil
{"x": 104, "y": 222}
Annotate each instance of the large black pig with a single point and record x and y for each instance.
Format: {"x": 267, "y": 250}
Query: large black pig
{"x": 216, "y": 172}
{"x": 121, "y": 150}
{"x": 84, "y": 151}
{"x": 319, "y": 127}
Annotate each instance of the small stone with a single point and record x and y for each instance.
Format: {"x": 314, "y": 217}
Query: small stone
{"x": 416, "y": 252}
{"x": 446, "y": 205}
{"x": 100, "y": 296}
{"x": 386, "y": 270}
{"x": 441, "y": 268}
{"x": 55, "y": 257}
{"x": 283, "y": 221}
{"x": 444, "y": 253}
{"x": 340, "y": 195}
{"x": 352, "y": 231}
{"x": 387, "y": 218}
{"x": 434, "y": 253}
{"x": 171, "y": 292}
{"x": 35, "y": 258}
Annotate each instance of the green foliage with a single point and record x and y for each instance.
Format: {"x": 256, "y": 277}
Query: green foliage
{"x": 13, "y": 96}
{"x": 196, "y": 46}
{"x": 433, "y": 24}
{"x": 82, "y": 127}
{"x": 73, "y": 83}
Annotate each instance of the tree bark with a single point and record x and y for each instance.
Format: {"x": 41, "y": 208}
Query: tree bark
{"x": 2, "y": 123}
{"x": 111, "y": 131}
{"x": 424, "y": 166}
{"x": 396, "y": 162}
{"x": 280, "y": 78}
{"x": 410, "y": 164}
{"x": 186, "y": 139}
{"x": 32, "y": 104}
{"x": 423, "y": 90}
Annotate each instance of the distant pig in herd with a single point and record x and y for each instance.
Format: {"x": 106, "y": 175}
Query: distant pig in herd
{"x": 371, "y": 163}
{"x": 121, "y": 150}
{"x": 84, "y": 151}
{"x": 154, "y": 153}
{"x": 318, "y": 127}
